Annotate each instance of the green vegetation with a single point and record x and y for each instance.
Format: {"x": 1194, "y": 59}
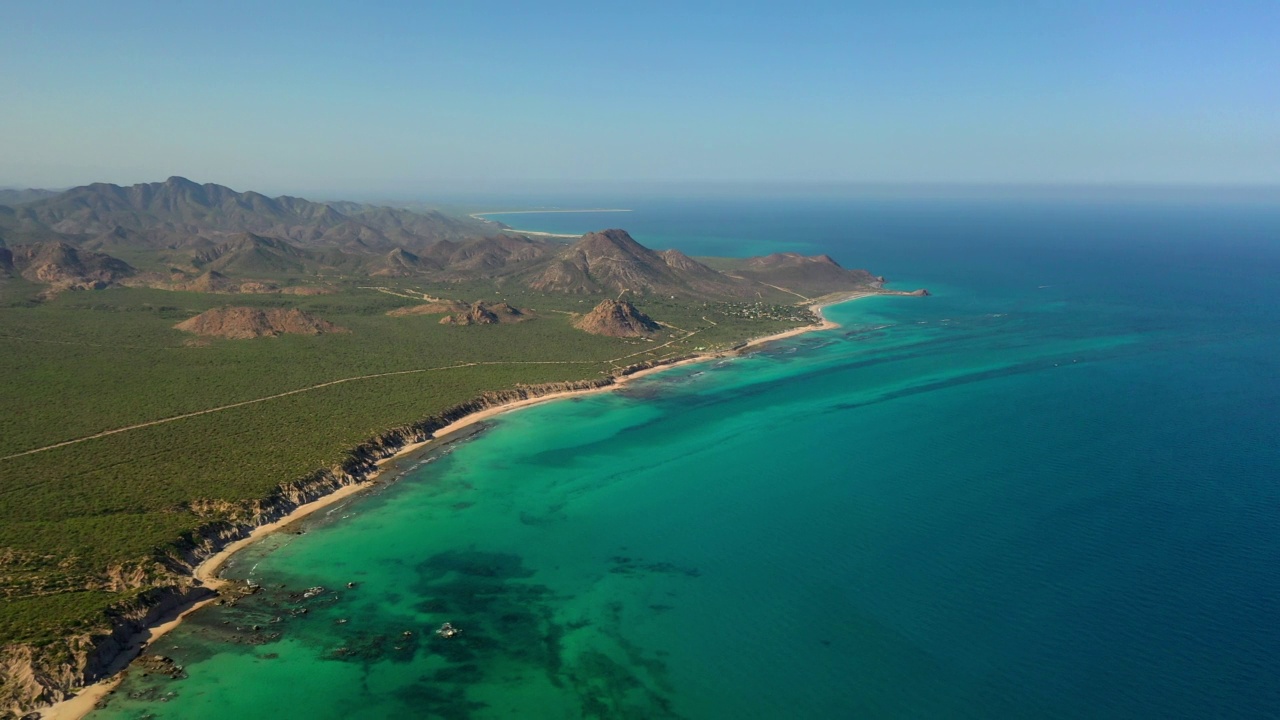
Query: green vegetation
{"x": 38, "y": 619}
{"x": 88, "y": 362}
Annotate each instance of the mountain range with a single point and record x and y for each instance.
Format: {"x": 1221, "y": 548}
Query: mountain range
{"x": 182, "y": 235}
{"x": 16, "y": 196}
{"x": 179, "y": 213}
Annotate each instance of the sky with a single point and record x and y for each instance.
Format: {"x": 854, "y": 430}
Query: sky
{"x": 403, "y": 98}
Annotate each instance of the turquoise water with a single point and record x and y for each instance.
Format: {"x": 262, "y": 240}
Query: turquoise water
{"x": 1049, "y": 490}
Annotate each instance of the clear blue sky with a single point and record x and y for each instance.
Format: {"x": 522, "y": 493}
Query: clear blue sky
{"x": 403, "y": 97}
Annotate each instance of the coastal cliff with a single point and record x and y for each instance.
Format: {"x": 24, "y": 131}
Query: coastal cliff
{"x": 158, "y": 587}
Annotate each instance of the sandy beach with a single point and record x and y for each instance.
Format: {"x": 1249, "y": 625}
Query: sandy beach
{"x": 207, "y": 571}
{"x": 538, "y": 233}
{"x": 542, "y": 234}
{"x": 481, "y": 215}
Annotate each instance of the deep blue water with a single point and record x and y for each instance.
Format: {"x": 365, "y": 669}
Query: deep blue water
{"x": 1052, "y": 489}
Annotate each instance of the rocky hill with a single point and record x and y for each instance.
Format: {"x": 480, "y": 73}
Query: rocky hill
{"x": 239, "y": 323}
{"x": 484, "y": 314}
{"x": 473, "y": 259}
{"x": 612, "y": 261}
{"x": 254, "y": 254}
{"x": 64, "y": 267}
{"x": 216, "y": 283}
{"x": 489, "y": 256}
{"x": 209, "y": 282}
{"x": 813, "y": 275}
{"x": 432, "y": 308}
{"x": 616, "y": 318}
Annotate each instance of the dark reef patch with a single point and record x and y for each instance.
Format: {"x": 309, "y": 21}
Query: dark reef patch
{"x": 510, "y": 627}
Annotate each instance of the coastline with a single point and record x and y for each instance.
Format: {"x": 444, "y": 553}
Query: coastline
{"x": 480, "y": 215}
{"x": 206, "y": 572}
{"x": 538, "y": 233}
{"x": 541, "y": 234}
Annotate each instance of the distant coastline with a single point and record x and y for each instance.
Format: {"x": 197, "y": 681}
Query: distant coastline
{"x": 481, "y": 216}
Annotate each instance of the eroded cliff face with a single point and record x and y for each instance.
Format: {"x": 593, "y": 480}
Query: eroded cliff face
{"x": 32, "y": 677}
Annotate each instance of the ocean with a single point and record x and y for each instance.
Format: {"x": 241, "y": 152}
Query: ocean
{"x": 1050, "y": 489}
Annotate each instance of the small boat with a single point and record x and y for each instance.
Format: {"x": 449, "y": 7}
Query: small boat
{"x": 447, "y": 631}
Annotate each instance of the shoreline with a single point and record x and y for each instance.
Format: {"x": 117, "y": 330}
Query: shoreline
{"x": 206, "y": 573}
{"x": 541, "y": 234}
{"x": 481, "y": 216}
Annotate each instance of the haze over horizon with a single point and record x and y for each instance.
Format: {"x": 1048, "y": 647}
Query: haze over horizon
{"x": 342, "y": 100}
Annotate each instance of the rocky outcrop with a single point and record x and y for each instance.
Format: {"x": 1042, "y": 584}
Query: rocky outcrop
{"x": 215, "y": 283}
{"x": 612, "y": 261}
{"x": 432, "y": 308}
{"x": 239, "y": 323}
{"x": 481, "y": 314}
{"x": 807, "y": 274}
{"x": 210, "y": 282}
{"x": 64, "y": 267}
{"x": 244, "y": 253}
{"x": 31, "y": 677}
{"x": 913, "y": 293}
{"x": 616, "y": 318}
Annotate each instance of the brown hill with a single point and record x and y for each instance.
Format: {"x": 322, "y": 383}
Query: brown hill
{"x": 482, "y": 314}
{"x": 250, "y": 253}
{"x": 490, "y": 256}
{"x": 401, "y": 263}
{"x": 63, "y": 267}
{"x": 812, "y": 275}
{"x": 214, "y": 282}
{"x": 210, "y": 282}
{"x": 435, "y": 308}
{"x": 616, "y": 319}
{"x": 245, "y": 322}
{"x": 611, "y": 261}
